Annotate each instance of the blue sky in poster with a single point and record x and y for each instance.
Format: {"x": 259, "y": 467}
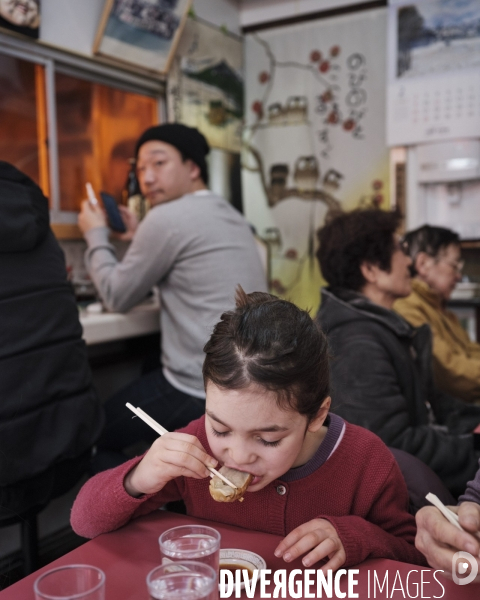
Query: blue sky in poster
{"x": 119, "y": 30}
{"x": 444, "y": 13}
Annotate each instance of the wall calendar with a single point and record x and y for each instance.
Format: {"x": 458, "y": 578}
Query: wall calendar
{"x": 433, "y": 71}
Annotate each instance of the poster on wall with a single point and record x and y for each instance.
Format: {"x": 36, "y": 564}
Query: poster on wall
{"x": 205, "y": 84}
{"x": 141, "y": 32}
{"x": 21, "y": 16}
{"x": 314, "y": 139}
{"x": 434, "y": 70}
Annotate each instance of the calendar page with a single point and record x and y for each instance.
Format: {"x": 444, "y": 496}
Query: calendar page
{"x": 434, "y": 71}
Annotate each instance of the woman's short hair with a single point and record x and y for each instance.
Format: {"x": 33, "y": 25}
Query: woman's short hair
{"x": 272, "y": 343}
{"x": 349, "y": 239}
{"x": 430, "y": 240}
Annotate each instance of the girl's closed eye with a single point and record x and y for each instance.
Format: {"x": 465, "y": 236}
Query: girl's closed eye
{"x": 269, "y": 444}
{"x": 261, "y": 440}
{"x": 220, "y": 433}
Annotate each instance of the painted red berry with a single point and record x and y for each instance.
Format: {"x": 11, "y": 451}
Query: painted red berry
{"x": 278, "y": 287}
{"x": 377, "y": 184}
{"x": 378, "y": 199}
{"x": 327, "y": 96}
{"x": 324, "y": 66}
{"x": 315, "y": 55}
{"x": 257, "y": 108}
{"x": 334, "y": 50}
{"x": 291, "y": 253}
{"x": 263, "y": 77}
{"x": 332, "y": 118}
{"x": 349, "y": 124}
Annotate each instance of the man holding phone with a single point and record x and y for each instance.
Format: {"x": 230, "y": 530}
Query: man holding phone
{"x": 195, "y": 248}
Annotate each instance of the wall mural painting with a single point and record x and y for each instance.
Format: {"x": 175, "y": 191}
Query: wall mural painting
{"x": 314, "y": 139}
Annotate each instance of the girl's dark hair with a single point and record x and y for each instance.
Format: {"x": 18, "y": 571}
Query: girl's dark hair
{"x": 430, "y": 240}
{"x": 351, "y": 238}
{"x": 272, "y": 343}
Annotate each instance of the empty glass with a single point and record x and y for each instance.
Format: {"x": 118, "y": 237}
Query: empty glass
{"x": 183, "y": 580}
{"x": 191, "y": 542}
{"x": 81, "y": 582}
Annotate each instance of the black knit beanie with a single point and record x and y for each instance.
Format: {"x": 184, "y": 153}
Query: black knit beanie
{"x": 187, "y": 140}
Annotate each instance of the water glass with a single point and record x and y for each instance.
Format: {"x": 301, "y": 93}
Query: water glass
{"x": 191, "y": 542}
{"x": 183, "y": 580}
{"x": 82, "y": 582}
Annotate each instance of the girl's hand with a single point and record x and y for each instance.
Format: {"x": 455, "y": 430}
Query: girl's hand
{"x": 317, "y": 537}
{"x": 172, "y": 455}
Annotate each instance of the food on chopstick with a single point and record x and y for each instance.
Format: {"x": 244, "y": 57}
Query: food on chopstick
{"x": 221, "y": 492}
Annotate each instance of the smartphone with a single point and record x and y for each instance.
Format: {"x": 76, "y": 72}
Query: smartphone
{"x": 114, "y": 217}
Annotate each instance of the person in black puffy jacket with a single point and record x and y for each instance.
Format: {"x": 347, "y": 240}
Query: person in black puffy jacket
{"x": 50, "y": 415}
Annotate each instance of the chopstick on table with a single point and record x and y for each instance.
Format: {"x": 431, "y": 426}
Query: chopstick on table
{"x": 161, "y": 430}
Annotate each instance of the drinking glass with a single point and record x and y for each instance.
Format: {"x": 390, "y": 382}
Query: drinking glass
{"x": 183, "y": 580}
{"x": 191, "y": 542}
{"x": 82, "y": 582}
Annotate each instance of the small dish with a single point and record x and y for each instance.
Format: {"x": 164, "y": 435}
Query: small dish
{"x": 241, "y": 559}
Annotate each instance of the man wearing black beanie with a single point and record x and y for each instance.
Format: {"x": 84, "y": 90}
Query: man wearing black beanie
{"x": 195, "y": 248}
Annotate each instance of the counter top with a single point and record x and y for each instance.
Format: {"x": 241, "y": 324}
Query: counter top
{"x": 106, "y": 327}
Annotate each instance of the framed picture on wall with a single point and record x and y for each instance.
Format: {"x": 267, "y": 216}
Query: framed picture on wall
{"x": 21, "y": 16}
{"x": 205, "y": 84}
{"x": 144, "y": 33}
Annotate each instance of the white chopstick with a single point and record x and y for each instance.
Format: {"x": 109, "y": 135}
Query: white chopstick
{"x": 161, "y": 430}
{"x": 91, "y": 194}
{"x": 446, "y": 512}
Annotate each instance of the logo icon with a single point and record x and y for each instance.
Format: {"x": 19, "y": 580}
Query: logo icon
{"x": 460, "y": 563}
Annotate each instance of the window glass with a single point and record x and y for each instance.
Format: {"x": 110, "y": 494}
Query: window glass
{"x": 97, "y": 127}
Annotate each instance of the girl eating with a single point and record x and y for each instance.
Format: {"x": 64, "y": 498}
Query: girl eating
{"x": 332, "y": 489}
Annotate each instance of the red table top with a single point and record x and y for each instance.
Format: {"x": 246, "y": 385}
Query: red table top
{"x": 127, "y": 555}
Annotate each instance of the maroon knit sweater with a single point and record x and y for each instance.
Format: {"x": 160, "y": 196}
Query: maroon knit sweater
{"x": 359, "y": 489}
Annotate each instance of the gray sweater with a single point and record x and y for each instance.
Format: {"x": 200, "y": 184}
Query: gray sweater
{"x": 195, "y": 250}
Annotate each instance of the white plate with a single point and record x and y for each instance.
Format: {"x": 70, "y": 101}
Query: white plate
{"x": 242, "y": 558}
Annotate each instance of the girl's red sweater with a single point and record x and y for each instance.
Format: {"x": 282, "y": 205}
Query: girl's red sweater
{"x": 359, "y": 489}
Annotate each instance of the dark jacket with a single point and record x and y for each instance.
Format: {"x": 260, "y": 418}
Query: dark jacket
{"x": 382, "y": 380}
{"x": 49, "y": 411}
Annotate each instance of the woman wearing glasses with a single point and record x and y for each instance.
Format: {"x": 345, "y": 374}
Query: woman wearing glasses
{"x": 437, "y": 267}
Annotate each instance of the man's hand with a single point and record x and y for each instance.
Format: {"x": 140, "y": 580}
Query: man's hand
{"x": 172, "y": 455}
{"x": 438, "y": 539}
{"x": 91, "y": 217}
{"x": 131, "y": 223}
{"x": 317, "y": 537}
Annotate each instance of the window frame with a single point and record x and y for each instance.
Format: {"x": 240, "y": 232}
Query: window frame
{"x": 82, "y": 67}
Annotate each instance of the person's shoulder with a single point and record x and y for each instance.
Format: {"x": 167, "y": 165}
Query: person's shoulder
{"x": 412, "y": 302}
{"x": 367, "y": 444}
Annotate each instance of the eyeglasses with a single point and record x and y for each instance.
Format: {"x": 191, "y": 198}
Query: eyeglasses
{"x": 456, "y": 265}
{"x": 402, "y": 245}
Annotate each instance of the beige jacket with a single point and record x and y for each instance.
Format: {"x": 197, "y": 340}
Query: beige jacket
{"x": 456, "y": 359}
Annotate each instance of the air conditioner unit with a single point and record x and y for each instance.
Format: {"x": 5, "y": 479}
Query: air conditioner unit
{"x": 455, "y": 160}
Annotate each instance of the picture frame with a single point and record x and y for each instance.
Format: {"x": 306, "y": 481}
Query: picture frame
{"x": 21, "y": 17}
{"x": 205, "y": 87}
{"x": 144, "y": 33}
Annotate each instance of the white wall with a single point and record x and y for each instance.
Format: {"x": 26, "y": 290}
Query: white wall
{"x": 219, "y": 12}
{"x": 72, "y": 24}
{"x": 253, "y": 12}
